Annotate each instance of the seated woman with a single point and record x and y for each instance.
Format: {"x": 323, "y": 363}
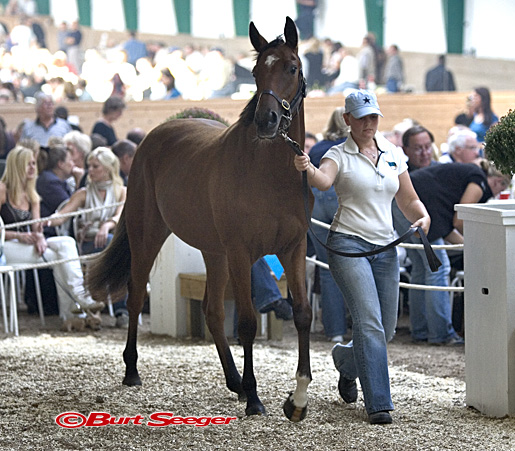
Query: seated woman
{"x": 19, "y": 202}
{"x": 104, "y": 187}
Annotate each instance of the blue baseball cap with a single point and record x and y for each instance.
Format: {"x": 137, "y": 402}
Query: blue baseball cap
{"x": 361, "y": 103}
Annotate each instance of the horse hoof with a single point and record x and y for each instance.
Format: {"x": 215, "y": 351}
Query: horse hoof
{"x": 255, "y": 409}
{"x": 293, "y": 413}
{"x": 242, "y": 397}
{"x": 131, "y": 381}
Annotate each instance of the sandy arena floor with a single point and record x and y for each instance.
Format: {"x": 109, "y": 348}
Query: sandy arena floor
{"x": 45, "y": 373}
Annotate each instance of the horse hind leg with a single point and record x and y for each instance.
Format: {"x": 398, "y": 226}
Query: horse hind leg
{"x": 213, "y": 307}
{"x": 296, "y": 405}
{"x": 144, "y": 250}
{"x": 130, "y": 354}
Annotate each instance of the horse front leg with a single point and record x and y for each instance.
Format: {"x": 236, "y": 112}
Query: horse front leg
{"x": 239, "y": 267}
{"x": 213, "y": 307}
{"x": 295, "y": 406}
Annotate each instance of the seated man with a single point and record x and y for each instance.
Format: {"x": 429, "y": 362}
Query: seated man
{"x": 124, "y": 150}
{"x": 463, "y": 147}
{"x": 52, "y": 183}
{"x": 265, "y": 294}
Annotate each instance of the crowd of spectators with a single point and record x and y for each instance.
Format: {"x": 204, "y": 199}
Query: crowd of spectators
{"x": 131, "y": 69}
{"x": 136, "y": 70}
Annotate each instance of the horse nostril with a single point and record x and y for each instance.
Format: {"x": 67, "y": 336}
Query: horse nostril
{"x": 273, "y": 118}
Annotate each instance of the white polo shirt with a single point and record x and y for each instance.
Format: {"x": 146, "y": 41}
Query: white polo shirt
{"x": 365, "y": 192}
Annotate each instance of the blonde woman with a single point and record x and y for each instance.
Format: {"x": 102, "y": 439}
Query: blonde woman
{"x": 104, "y": 187}
{"x": 20, "y": 202}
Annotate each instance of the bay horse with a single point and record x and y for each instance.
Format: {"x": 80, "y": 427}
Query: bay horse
{"x": 234, "y": 194}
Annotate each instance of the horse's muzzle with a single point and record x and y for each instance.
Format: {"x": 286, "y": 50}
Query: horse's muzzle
{"x": 267, "y": 124}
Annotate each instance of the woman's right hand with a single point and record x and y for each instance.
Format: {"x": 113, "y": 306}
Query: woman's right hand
{"x": 302, "y": 162}
{"x": 26, "y": 237}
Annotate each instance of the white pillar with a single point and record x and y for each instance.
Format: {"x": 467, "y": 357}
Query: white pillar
{"x": 167, "y": 307}
{"x": 489, "y": 260}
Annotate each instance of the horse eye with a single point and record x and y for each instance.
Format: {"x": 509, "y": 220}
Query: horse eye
{"x": 293, "y": 70}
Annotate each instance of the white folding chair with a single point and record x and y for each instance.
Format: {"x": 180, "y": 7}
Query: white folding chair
{"x": 458, "y": 281}
{"x": 8, "y": 273}
{"x": 16, "y": 267}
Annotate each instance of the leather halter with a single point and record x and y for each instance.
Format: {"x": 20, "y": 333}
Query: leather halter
{"x": 290, "y": 109}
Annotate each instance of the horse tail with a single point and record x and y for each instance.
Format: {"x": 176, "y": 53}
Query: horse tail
{"x": 110, "y": 272}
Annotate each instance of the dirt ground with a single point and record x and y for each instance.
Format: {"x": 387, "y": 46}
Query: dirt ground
{"x": 46, "y": 372}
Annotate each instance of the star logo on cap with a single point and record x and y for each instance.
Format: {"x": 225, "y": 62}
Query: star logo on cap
{"x": 366, "y": 100}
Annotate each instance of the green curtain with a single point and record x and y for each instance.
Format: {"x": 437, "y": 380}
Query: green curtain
{"x": 454, "y": 17}
{"x": 43, "y": 7}
{"x": 130, "y": 10}
{"x": 183, "y": 14}
{"x": 374, "y": 10}
{"x": 84, "y": 8}
{"x": 241, "y": 9}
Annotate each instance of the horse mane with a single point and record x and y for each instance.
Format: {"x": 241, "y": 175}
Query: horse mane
{"x": 247, "y": 115}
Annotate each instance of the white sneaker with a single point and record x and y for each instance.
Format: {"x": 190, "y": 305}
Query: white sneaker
{"x": 337, "y": 339}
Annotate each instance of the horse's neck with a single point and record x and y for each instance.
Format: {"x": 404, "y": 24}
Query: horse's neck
{"x": 276, "y": 156}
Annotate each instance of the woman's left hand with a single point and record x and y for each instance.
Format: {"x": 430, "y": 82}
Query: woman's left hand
{"x": 41, "y": 243}
{"x": 302, "y": 162}
{"x": 424, "y": 222}
{"x": 101, "y": 236}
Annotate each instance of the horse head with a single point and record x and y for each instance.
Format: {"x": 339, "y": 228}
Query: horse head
{"x": 281, "y": 86}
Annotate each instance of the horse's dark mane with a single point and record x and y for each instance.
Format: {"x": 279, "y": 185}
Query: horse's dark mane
{"x": 247, "y": 115}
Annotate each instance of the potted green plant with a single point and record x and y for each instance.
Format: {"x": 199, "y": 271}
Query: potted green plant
{"x": 500, "y": 144}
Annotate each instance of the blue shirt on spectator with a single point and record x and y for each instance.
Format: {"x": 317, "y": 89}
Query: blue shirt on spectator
{"x": 36, "y": 130}
{"x": 135, "y": 50}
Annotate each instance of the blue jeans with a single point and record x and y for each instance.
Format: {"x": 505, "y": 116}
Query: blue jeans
{"x": 88, "y": 247}
{"x": 392, "y": 85}
{"x": 332, "y": 303}
{"x": 264, "y": 289}
{"x": 370, "y": 286}
{"x": 429, "y": 311}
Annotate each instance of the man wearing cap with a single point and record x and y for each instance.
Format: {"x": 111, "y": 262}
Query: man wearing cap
{"x": 367, "y": 172}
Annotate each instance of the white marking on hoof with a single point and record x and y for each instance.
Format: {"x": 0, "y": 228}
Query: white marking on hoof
{"x": 300, "y": 396}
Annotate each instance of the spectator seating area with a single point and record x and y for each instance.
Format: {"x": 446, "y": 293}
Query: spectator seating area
{"x": 436, "y": 111}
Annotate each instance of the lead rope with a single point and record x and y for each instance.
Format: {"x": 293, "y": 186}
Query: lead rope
{"x": 432, "y": 259}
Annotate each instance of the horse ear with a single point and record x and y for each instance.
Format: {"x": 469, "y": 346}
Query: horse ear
{"x": 256, "y": 39}
{"x": 290, "y": 33}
